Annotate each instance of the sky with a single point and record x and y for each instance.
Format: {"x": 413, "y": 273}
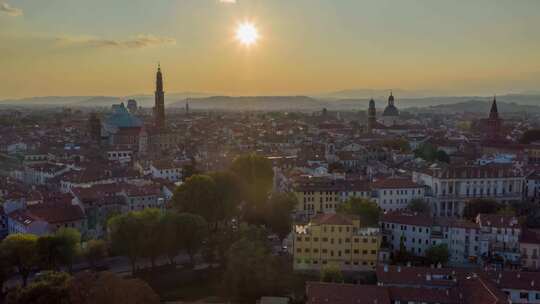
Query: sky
{"x": 104, "y": 47}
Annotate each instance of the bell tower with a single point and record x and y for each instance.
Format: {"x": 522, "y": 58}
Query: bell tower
{"x": 159, "y": 106}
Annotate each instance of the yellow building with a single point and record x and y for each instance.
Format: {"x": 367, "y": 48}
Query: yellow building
{"x": 335, "y": 239}
{"x": 533, "y": 154}
{"x": 325, "y": 195}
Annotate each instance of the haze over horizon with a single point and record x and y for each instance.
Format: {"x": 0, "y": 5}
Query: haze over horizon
{"x": 112, "y": 49}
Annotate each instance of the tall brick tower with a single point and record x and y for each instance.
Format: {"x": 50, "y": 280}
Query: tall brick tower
{"x": 159, "y": 107}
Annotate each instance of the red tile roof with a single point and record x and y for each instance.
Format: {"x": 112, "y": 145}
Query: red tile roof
{"x": 498, "y": 221}
{"x": 395, "y": 183}
{"x": 52, "y": 213}
{"x": 331, "y": 293}
{"x": 424, "y": 295}
{"x": 530, "y": 236}
{"x": 522, "y": 280}
{"x": 407, "y": 218}
{"x": 332, "y": 219}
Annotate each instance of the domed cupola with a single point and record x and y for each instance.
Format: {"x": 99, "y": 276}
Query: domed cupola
{"x": 391, "y": 109}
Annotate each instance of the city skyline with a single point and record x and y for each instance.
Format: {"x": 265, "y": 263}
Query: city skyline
{"x": 101, "y": 48}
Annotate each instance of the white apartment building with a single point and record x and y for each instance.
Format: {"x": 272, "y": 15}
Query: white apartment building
{"x": 169, "y": 170}
{"x": 449, "y": 187}
{"x": 396, "y": 193}
{"x": 499, "y": 236}
{"x": 410, "y": 229}
{"x": 467, "y": 241}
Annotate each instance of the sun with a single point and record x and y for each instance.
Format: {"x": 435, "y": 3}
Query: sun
{"x": 247, "y": 33}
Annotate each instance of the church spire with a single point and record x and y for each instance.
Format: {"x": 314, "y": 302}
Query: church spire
{"x": 159, "y": 106}
{"x": 159, "y": 79}
{"x": 494, "y": 112}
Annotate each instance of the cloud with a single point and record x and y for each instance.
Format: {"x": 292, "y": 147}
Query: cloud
{"x": 137, "y": 42}
{"x": 8, "y": 9}
{"x": 227, "y": 1}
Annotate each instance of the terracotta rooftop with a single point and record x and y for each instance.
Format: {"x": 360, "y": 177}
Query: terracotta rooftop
{"x": 332, "y": 219}
{"x": 393, "y": 183}
{"x": 530, "y": 236}
{"x": 498, "y": 221}
{"x": 407, "y": 218}
{"x": 331, "y": 293}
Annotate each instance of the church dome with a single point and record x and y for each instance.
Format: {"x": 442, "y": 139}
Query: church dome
{"x": 391, "y": 109}
{"x": 121, "y": 118}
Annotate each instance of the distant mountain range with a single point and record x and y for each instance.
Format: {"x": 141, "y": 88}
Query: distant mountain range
{"x": 480, "y": 106}
{"x": 205, "y": 101}
{"x": 98, "y": 101}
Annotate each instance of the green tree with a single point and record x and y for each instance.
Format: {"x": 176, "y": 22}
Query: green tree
{"x": 47, "y": 248}
{"x": 69, "y": 245}
{"x": 228, "y": 195}
{"x": 279, "y": 213}
{"x": 21, "y": 252}
{"x": 126, "y": 234}
{"x": 189, "y": 170}
{"x": 251, "y": 271}
{"x": 198, "y": 195}
{"x": 476, "y": 206}
{"x": 419, "y": 205}
{"x": 192, "y": 232}
{"x": 442, "y": 156}
{"x": 170, "y": 232}
{"x": 331, "y": 274}
{"x": 94, "y": 252}
{"x": 256, "y": 176}
{"x": 365, "y": 209}
{"x": 438, "y": 254}
{"x": 50, "y": 288}
{"x": 6, "y": 270}
{"x": 427, "y": 152}
{"x": 151, "y": 243}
